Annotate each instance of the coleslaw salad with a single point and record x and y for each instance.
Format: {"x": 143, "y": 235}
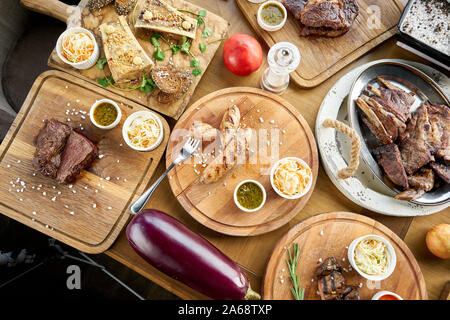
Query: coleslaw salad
{"x": 291, "y": 177}
{"x": 143, "y": 131}
{"x": 77, "y": 47}
{"x": 373, "y": 257}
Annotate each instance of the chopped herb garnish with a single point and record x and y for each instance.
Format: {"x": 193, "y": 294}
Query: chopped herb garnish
{"x": 196, "y": 71}
{"x": 185, "y": 46}
{"x": 159, "y": 54}
{"x": 147, "y": 84}
{"x": 154, "y": 39}
{"x": 194, "y": 63}
{"x": 206, "y": 32}
{"x": 202, "y": 47}
{"x": 202, "y": 13}
{"x": 101, "y": 63}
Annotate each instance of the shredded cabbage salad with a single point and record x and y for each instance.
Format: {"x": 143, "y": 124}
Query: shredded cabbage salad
{"x": 371, "y": 257}
{"x": 291, "y": 177}
{"x": 143, "y": 131}
{"x": 77, "y": 47}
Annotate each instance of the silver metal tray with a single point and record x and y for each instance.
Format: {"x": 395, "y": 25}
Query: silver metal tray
{"x": 409, "y": 79}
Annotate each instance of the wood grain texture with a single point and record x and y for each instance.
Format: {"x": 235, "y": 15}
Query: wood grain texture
{"x": 92, "y": 20}
{"x": 322, "y": 57}
{"x": 66, "y": 212}
{"x": 339, "y": 230}
{"x": 275, "y": 122}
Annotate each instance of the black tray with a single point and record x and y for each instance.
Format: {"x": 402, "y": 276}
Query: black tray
{"x": 417, "y": 44}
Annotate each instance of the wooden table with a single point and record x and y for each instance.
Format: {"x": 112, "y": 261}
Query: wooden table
{"x": 253, "y": 252}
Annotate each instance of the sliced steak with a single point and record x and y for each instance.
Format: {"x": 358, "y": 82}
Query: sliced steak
{"x": 372, "y": 121}
{"x": 78, "y": 155}
{"x": 442, "y": 170}
{"x": 49, "y": 144}
{"x": 331, "y": 286}
{"x": 389, "y": 158}
{"x": 423, "y": 179}
{"x": 328, "y": 266}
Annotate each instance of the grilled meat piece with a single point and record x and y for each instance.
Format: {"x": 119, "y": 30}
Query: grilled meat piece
{"x": 372, "y": 121}
{"x": 331, "y": 286}
{"x": 392, "y": 124}
{"x": 442, "y": 170}
{"x": 351, "y": 293}
{"x": 328, "y": 18}
{"x": 415, "y": 154}
{"x": 410, "y": 194}
{"x": 333, "y": 14}
{"x": 393, "y": 98}
{"x": 328, "y": 266}
{"x": 295, "y": 7}
{"x": 50, "y": 143}
{"x": 439, "y": 119}
{"x": 78, "y": 154}
{"x": 423, "y": 179}
{"x": 389, "y": 157}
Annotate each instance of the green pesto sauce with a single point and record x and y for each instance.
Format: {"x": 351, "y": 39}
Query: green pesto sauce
{"x": 249, "y": 195}
{"x": 272, "y": 14}
{"x": 105, "y": 114}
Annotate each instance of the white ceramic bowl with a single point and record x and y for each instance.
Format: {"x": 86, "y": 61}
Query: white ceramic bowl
{"x": 131, "y": 118}
{"x": 112, "y": 125}
{"x": 245, "y": 209}
{"x": 392, "y": 258}
{"x": 269, "y": 27}
{"x": 83, "y": 64}
{"x": 379, "y": 294}
{"x": 307, "y": 188}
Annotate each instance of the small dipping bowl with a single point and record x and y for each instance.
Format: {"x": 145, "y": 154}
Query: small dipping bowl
{"x": 99, "y": 102}
{"x": 270, "y": 27}
{"x": 392, "y": 258}
{"x": 297, "y": 196}
{"x": 243, "y": 208}
{"x": 380, "y": 294}
{"x": 128, "y": 122}
{"x": 86, "y": 64}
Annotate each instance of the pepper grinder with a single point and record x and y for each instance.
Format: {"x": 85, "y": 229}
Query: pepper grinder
{"x": 283, "y": 58}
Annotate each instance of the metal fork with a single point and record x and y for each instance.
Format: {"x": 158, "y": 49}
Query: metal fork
{"x": 186, "y": 152}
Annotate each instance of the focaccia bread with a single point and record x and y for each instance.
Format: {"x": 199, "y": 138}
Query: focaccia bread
{"x": 160, "y": 16}
{"x": 126, "y": 58}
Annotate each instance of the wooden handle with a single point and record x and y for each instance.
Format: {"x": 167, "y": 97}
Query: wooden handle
{"x": 52, "y": 8}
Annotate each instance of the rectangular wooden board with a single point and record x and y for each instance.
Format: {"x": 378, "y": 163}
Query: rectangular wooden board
{"x": 92, "y": 20}
{"x": 322, "y": 57}
{"x": 67, "y": 212}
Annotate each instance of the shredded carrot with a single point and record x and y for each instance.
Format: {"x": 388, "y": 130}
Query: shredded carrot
{"x": 77, "y": 47}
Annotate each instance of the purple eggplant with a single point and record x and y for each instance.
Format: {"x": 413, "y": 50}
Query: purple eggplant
{"x": 174, "y": 249}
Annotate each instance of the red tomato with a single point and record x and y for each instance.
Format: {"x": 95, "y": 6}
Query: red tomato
{"x": 242, "y": 54}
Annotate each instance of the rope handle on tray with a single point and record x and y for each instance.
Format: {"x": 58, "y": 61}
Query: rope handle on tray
{"x": 356, "y": 146}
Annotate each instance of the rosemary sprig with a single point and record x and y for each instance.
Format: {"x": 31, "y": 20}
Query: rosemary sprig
{"x": 297, "y": 291}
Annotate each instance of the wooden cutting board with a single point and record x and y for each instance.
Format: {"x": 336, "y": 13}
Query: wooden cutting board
{"x": 81, "y": 16}
{"x": 322, "y": 57}
{"x": 67, "y": 212}
{"x": 329, "y": 234}
{"x": 288, "y": 134}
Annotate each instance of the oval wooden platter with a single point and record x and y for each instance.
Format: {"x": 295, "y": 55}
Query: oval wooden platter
{"x": 330, "y": 234}
{"x": 281, "y": 132}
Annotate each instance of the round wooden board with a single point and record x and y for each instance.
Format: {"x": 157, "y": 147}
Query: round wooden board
{"x": 339, "y": 230}
{"x": 213, "y": 204}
